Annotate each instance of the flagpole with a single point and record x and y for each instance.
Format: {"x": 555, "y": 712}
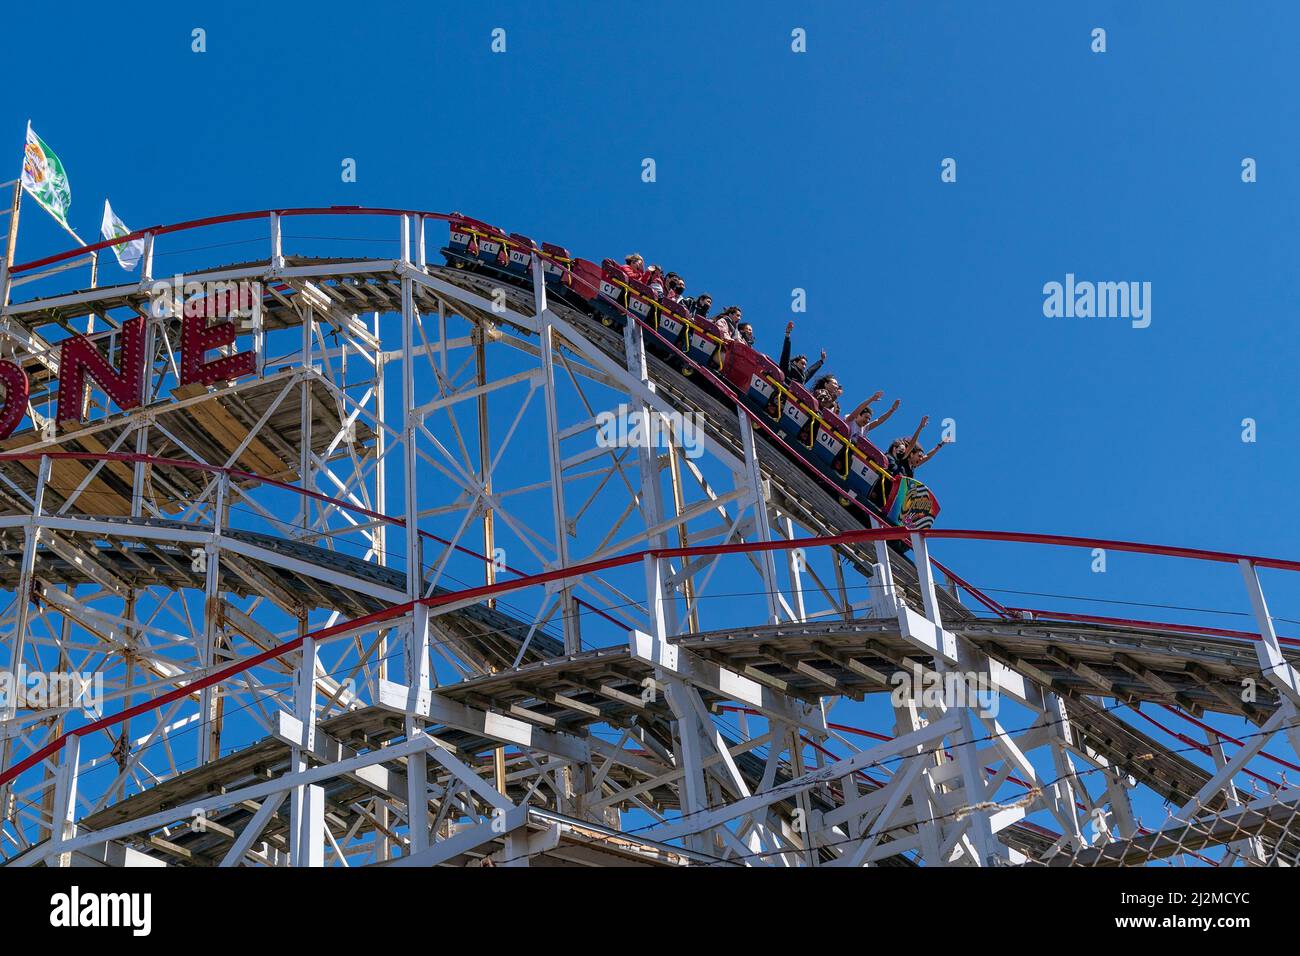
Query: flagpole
{"x": 94, "y": 282}
{"x": 7, "y": 801}
{"x": 94, "y": 261}
{"x": 12, "y": 243}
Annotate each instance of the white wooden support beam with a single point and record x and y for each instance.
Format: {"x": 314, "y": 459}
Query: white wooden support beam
{"x": 754, "y": 485}
{"x": 63, "y": 824}
{"x": 277, "y": 244}
{"x": 690, "y": 667}
{"x": 1277, "y": 670}
{"x": 929, "y": 734}
{"x": 215, "y": 801}
{"x": 546, "y": 328}
{"x": 307, "y": 801}
{"x": 253, "y": 829}
{"x": 466, "y": 840}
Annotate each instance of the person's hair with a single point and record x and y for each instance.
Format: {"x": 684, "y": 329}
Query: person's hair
{"x": 745, "y": 325}
{"x": 703, "y": 295}
{"x": 799, "y": 358}
{"x": 634, "y": 255}
{"x": 822, "y": 381}
{"x": 905, "y": 440}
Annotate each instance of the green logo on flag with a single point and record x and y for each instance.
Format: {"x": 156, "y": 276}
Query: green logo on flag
{"x": 45, "y": 180}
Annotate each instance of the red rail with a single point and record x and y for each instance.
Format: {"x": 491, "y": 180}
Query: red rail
{"x": 573, "y": 571}
{"x": 223, "y": 220}
{"x": 251, "y": 215}
{"x": 133, "y": 458}
{"x": 882, "y": 534}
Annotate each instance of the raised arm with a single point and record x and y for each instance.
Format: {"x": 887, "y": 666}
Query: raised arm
{"x": 864, "y": 405}
{"x": 883, "y": 418}
{"x": 784, "y": 364}
{"x": 816, "y": 366}
{"x": 935, "y": 450}
{"x": 911, "y": 442}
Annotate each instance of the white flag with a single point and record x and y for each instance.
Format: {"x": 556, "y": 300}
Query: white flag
{"x": 128, "y": 253}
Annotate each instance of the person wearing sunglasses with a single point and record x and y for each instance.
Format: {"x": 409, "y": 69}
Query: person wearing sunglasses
{"x": 906, "y": 454}
{"x": 675, "y": 288}
{"x": 827, "y": 391}
{"x": 698, "y": 306}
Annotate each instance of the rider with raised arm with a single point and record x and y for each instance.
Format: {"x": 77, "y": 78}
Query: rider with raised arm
{"x": 861, "y": 422}
{"x": 797, "y": 369}
{"x": 906, "y": 454}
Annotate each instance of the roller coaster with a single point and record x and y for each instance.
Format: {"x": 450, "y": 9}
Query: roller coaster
{"x": 367, "y": 589}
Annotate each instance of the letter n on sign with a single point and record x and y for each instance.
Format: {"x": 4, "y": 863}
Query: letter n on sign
{"x": 78, "y": 358}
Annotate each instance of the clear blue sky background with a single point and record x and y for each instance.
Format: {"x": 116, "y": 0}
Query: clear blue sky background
{"x": 822, "y": 171}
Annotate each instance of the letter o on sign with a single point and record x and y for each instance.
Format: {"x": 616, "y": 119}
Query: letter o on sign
{"x": 17, "y": 391}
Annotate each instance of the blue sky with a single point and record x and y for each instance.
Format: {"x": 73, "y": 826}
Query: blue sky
{"x": 821, "y": 171}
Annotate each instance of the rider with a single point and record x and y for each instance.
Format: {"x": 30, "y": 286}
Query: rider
{"x": 861, "y": 422}
{"x": 797, "y": 369}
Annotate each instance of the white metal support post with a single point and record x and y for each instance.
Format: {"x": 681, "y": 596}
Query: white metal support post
{"x": 65, "y": 798}
{"x": 964, "y": 739}
{"x": 146, "y": 261}
{"x": 11, "y": 242}
{"x": 572, "y": 631}
{"x": 689, "y": 758}
{"x": 650, "y": 492}
{"x": 305, "y": 479}
{"x": 796, "y": 561}
{"x": 753, "y": 479}
{"x": 140, "y": 470}
{"x": 23, "y": 595}
{"x": 884, "y": 593}
{"x": 277, "y": 245}
{"x": 1277, "y": 670}
{"x": 210, "y": 730}
{"x": 1250, "y": 849}
{"x": 307, "y": 801}
{"x": 18, "y": 638}
{"x": 1060, "y": 734}
{"x": 418, "y": 665}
